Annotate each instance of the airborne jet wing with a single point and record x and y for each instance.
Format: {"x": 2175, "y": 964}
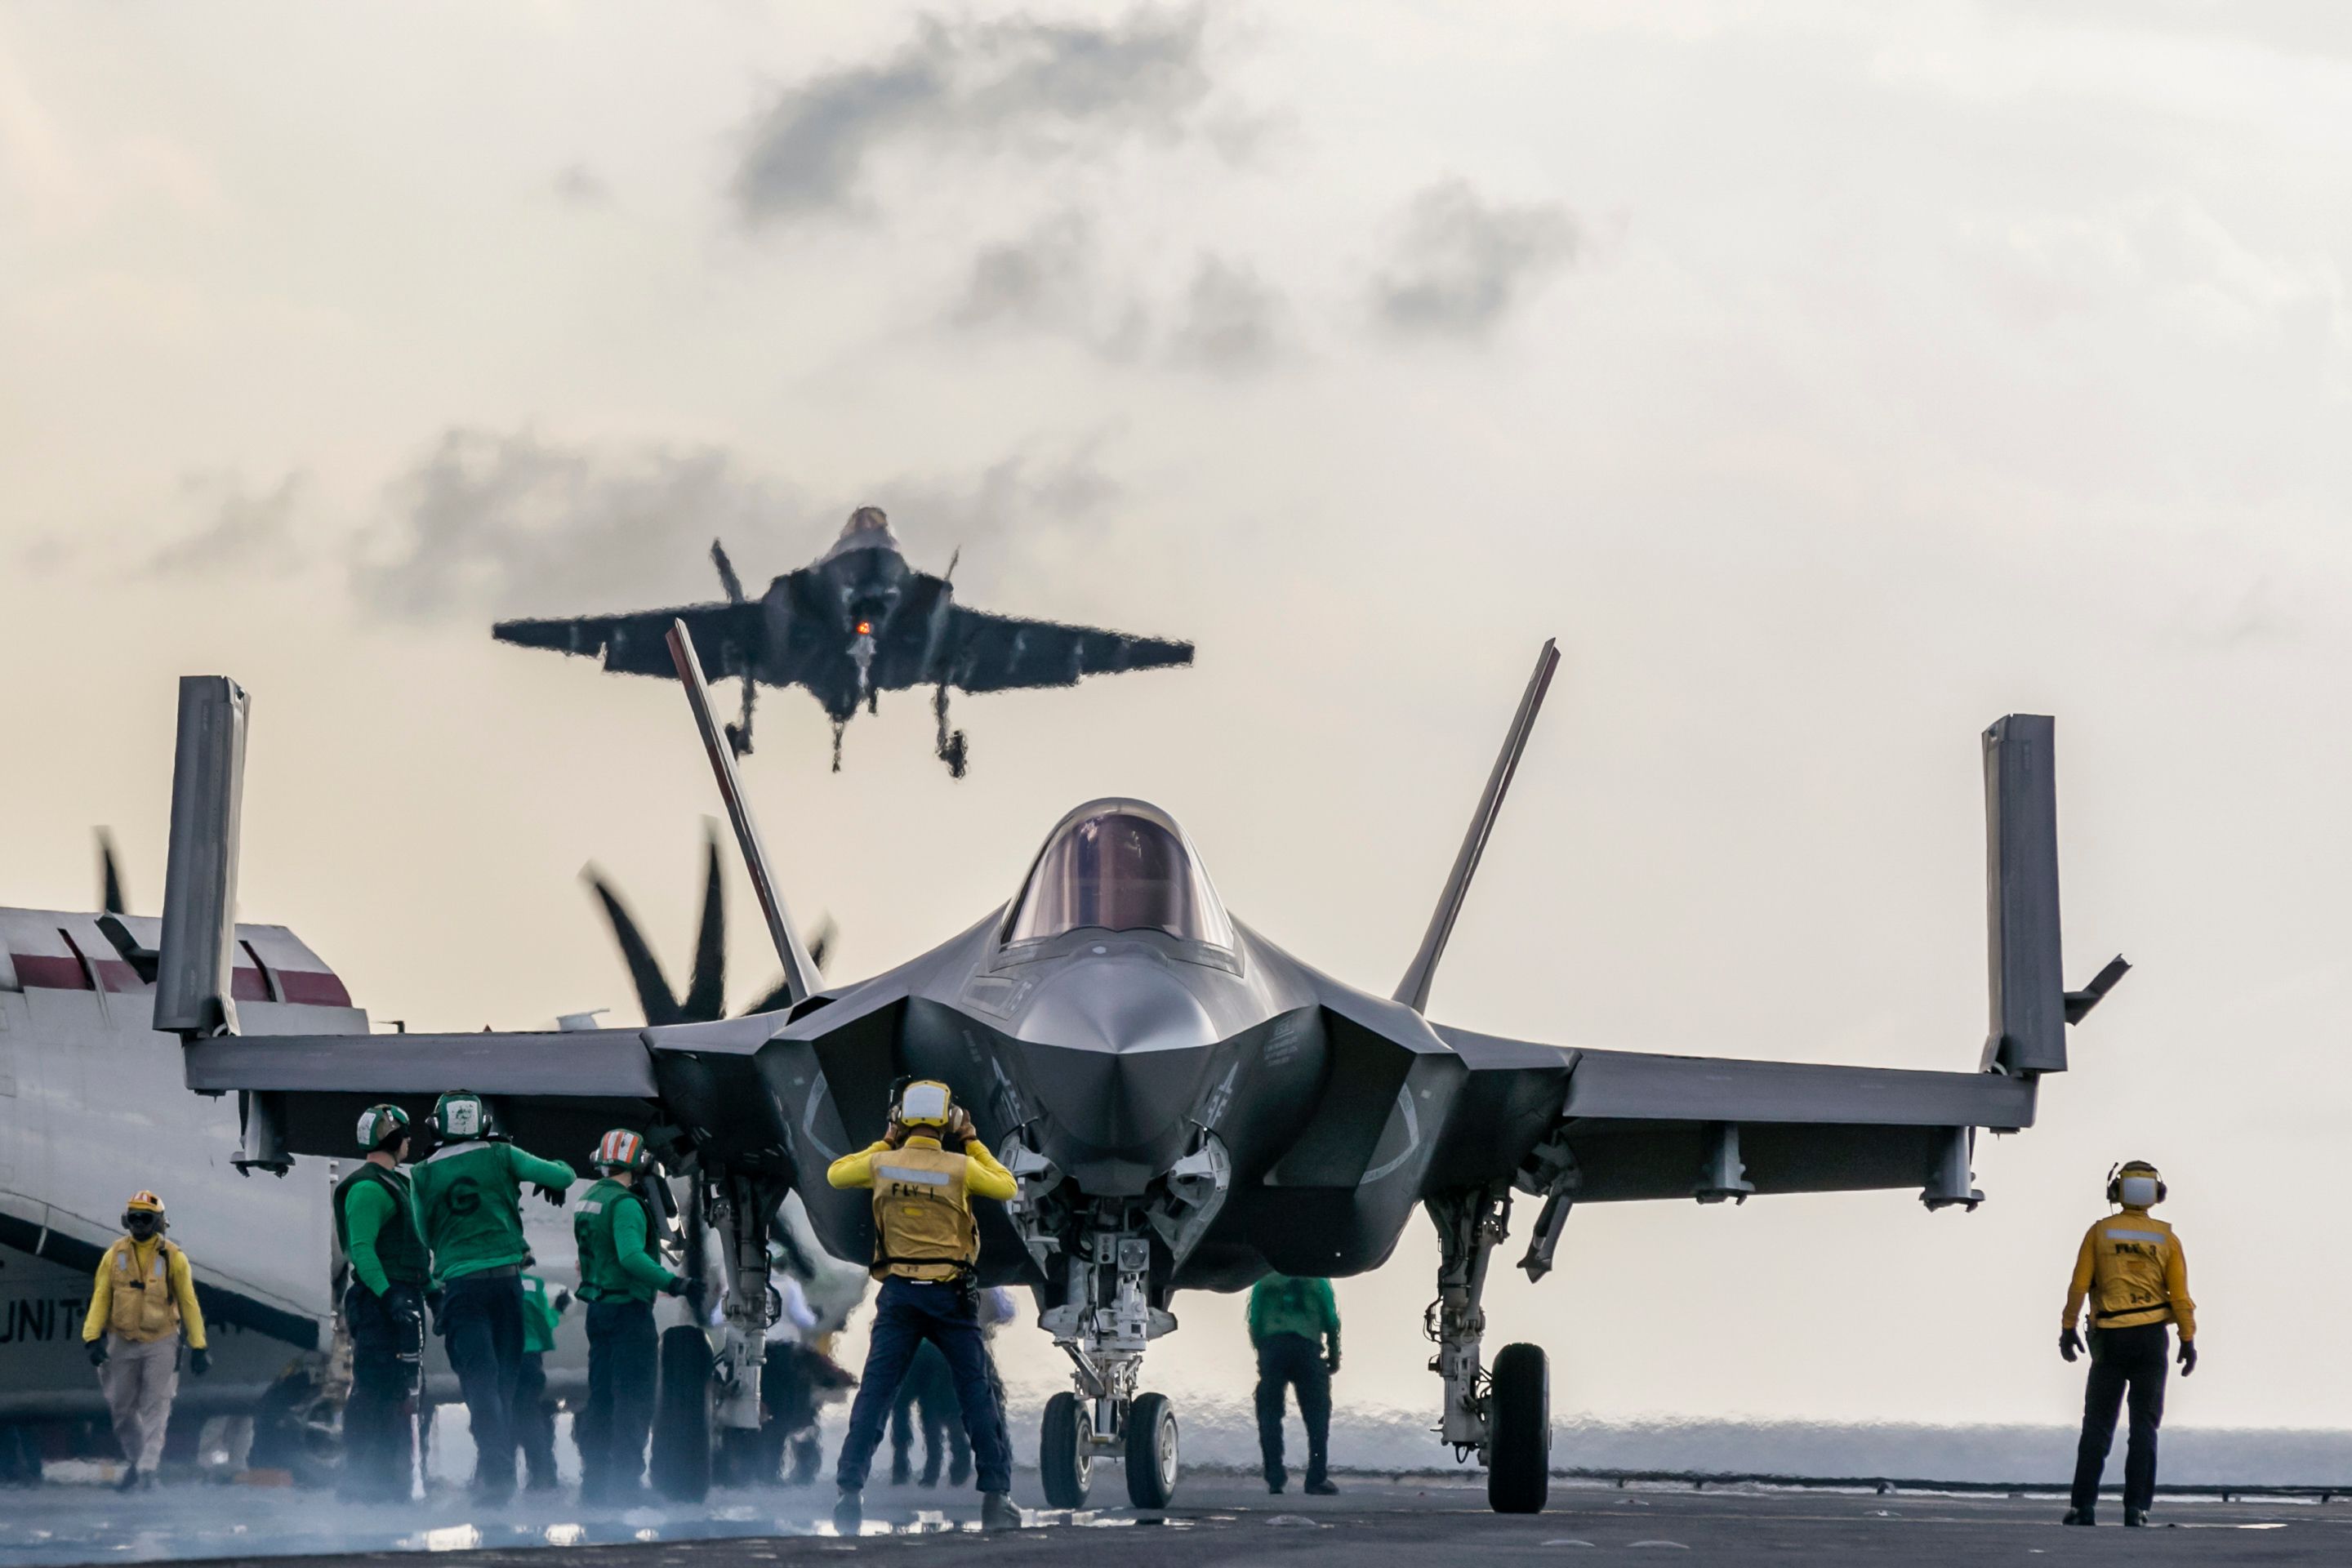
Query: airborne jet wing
{"x": 997, "y": 653}
{"x": 1643, "y": 1126}
{"x": 728, "y": 636}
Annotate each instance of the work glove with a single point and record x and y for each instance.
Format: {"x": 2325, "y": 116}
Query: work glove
{"x": 562, "y": 1302}
{"x": 434, "y": 1302}
{"x": 200, "y": 1361}
{"x": 1332, "y": 1360}
{"x": 2188, "y": 1357}
{"x": 553, "y": 1194}
{"x": 674, "y": 1286}
{"x": 97, "y": 1352}
{"x": 2070, "y": 1344}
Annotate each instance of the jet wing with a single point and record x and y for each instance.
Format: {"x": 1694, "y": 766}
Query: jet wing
{"x": 998, "y": 653}
{"x": 555, "y": 1092}
{"x": 729, "y": 638}
{"x": 1648, "y": 1126}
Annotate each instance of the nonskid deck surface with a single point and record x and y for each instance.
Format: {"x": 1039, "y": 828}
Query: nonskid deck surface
{"x": 1221, "y": 1520}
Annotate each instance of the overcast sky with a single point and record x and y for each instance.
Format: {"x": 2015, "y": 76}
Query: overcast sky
{"x": 1830, "y": 379}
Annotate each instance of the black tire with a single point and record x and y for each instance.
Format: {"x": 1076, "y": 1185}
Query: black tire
{"x": 1518, "y": 1431}
{"x": 681, "y": 1460}
{"x": 1152, "y": 1458}
{"x": 1066, "y": 1461}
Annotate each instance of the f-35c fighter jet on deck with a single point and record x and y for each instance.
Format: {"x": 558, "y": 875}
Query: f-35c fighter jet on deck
{"x": 1185, "y": 1105}
{"x": 858, "y": 622}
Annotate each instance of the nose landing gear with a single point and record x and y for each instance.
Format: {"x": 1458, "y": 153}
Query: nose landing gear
{"x": 1103, "y": 1327}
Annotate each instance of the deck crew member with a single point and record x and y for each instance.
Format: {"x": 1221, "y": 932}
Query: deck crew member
{"x": 1294, "y": 1326}
{"x": 925, "y": 1172}
{"x": 620, "y": 1272}
{"x": 470, "y": 1194}
{"x": 141, "y": 1304}
{"x": 384, "y": 1311}
{"x": 2133, "y": 1272}
{"x": 534, "y": 1412}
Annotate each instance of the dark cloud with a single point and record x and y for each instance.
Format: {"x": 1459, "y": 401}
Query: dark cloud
{"x": 1232, "y": 320}
{"x": 582, "y": 186}
{"x": 1050, "y": 280}
{"x": 243, "y": 532}
{"x": 490, "y": 523}
{"x": 1462, "y": 264}
{"x": 1048, "y": 88}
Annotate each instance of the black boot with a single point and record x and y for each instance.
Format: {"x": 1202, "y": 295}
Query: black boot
{"x": 2079, "y": 1516}
{"x": 997, "y": 1512}
{"x": 849, "y": 1512}
{"x": 2134, "y": 1517}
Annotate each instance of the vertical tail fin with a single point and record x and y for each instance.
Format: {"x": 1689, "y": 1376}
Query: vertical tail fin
{"x": 2029, "y": 1003}
{"x": 1414, "y": 989}
{"x": 196, "y": 951}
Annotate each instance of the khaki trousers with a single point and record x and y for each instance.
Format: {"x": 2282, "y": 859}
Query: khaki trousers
{"x": 139, "y": 1381}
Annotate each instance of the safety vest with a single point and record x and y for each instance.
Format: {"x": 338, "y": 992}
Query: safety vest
{"x": 602, "y": 1278}
{"x": 398, "y": 1246}
{"x": 923, "y": 1226}
{"x": 141, "y": 1309}
{"x": 2131, "y": 1254}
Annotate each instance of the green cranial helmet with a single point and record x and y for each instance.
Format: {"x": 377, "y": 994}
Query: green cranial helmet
{"x": 459, "y": 1114}
{"x": 380, "y": 1126}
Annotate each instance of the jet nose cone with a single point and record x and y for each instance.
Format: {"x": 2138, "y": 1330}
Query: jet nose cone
{"x": 1120, "y": 1003}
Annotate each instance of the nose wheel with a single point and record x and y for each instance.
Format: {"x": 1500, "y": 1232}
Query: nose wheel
{"x": 1151, "y": 1459}
{"x": 1065, "y": 1457}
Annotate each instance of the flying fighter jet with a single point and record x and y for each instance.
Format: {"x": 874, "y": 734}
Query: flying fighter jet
{"x": 856, "y": 622}
{"x": 1184, "y": 1104}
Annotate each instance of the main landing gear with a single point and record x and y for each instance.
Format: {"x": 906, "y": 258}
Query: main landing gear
{"x": 1503, "y": 1415}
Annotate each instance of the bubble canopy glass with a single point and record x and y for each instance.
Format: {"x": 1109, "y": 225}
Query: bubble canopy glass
{"x": 1118, "y": 864}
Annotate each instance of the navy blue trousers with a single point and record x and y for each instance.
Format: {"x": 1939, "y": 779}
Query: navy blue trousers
{"x": 905, "y": 1313}
{"x": 482, "y": 1315}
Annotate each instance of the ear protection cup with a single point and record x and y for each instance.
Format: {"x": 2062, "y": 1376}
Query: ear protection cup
{"x": 2134, "y": 1168}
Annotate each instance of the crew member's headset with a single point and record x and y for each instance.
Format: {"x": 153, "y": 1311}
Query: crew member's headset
{"x": 922, "y": 1103}
{"x": 2136, "y": 1184}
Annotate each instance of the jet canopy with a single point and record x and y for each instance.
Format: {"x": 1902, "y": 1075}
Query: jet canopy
{"x": 1118, "y": 864}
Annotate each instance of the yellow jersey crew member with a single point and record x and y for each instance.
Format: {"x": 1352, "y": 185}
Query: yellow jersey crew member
{"x": 2132, "y": 1270}
{"x": 925, "y": 1172}
{"x": 143, "y": 1299}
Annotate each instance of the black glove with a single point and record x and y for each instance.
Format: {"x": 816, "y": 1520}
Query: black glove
{"x": 553, "y": 1194}
{"x": 675, "y": 1284}
{"x": 562, "y": 1302}
{"x": 2070, "y": 1344}
{"x": 200, "y": 1361}
{"x": 434, "y": 1302}
{"x": 2188, "y": 1357}
{"x": 97, "y": 1352}
{"x": 403, "y": 1301}
{"x": 1332, "y": 1360}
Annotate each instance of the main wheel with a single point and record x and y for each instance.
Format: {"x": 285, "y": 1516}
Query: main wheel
{"x": 1518, "y": 1431}
{"x": 681, "y": 1463}
{"x": 1065, "y": 1457}
{"x": 1150, "y": 1451}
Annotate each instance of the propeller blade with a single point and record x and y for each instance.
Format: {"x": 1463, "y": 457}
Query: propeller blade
{"x": 705, "y": 993}
{"x": 653, "y": 995}
{"x": 776, "y": 1001}
{"x": 109, "y": 874}
{"x": 820, "y": 940}
{"x": 726, "y": 578}
{"x": 949, "y": 576}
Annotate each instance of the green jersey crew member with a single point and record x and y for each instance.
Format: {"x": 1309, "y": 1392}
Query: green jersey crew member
{"x": 926, "y": 1243}
{"x": 2136, "y": 1276}
{"x": 384, "y": 1311}
{"x": 534, "y": 1412}
{"x": 620, "y": 1272}
{"x": 143, "y": 1299}
{"x": 470, "y": 1194}
{"x": 1290, "y": 1321}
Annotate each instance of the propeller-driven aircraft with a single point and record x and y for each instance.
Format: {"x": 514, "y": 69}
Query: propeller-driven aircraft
{"x": 855, "y": 623}
{"x": 1186, "y": 1106}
